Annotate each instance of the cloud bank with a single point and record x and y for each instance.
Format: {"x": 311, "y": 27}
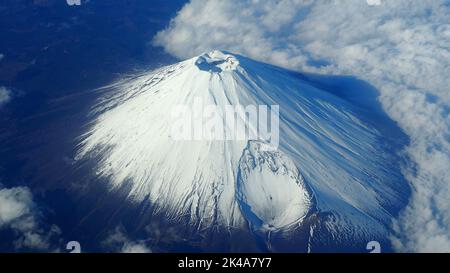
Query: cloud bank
{"x": 19, "y": 213}
{"x": 401, "y": 47}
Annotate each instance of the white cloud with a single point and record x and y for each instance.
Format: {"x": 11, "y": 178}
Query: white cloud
{"x": 131, "y": 247}
{"x": 401, "y": 47}
{"x": 19, "y": 213}
{"x": 15, "y": 203}
{"x": 2, "y": 56}
{"x": 373, "y": 2}
{"x": 5, "y": 95}
{"x": 118, "y": 241}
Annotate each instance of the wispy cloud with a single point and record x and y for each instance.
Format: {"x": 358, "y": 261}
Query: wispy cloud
{"x": 402, "y": 47}
{"x": 5, "y": 95}
{"x": 119, "y": 241}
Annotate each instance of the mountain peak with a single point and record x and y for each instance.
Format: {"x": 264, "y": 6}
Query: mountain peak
{"x": 217, "y": 61}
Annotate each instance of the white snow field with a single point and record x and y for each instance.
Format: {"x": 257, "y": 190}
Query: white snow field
{"x": 328, "y": 159}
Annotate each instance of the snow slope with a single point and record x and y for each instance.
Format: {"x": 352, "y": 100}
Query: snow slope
{"x": 329, "y": 160}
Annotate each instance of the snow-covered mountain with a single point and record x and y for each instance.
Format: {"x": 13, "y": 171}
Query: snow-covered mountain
{"x": 333, "y": 171}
